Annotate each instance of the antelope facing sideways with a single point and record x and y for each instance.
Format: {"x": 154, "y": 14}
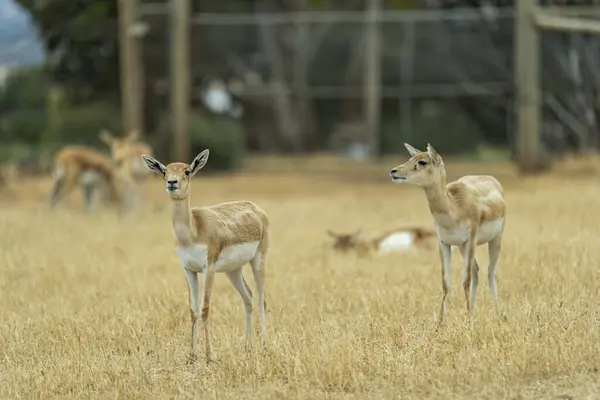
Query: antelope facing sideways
{"x": 85, "y": 167}
{"x": 126, "y": 153}
{"x": 219, "y": 238}
{"x": 396, "y": 240}
{"x": 467, "y": 212}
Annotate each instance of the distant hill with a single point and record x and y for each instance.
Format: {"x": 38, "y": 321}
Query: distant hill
{"x": 19, "y": 41}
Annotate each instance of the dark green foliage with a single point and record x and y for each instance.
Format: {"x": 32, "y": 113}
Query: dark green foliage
{"x": 24, "y": 88}
{"x": 15, "y": 151}
{"x": 82, "y": 124}
{"x": 224, "y": 137}
{"x": 27, "y": 130}
{"x": 24, "y": 125}
{"x": 440, "y": 123}
{"x": 81, "y": 40}
{"x": 23, "y": 106}
{"x": 36, "y": 117}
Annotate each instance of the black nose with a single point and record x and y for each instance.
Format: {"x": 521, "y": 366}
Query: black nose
{"x": 393, "y": 171}
{"x": 171, "y": 183}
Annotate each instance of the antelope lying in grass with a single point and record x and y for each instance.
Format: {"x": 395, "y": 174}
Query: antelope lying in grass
{"x": 126, "y": 153}
{"x": 91, "y": 170}
{"x": 467, "y": 212}
{"x": 219, "y": 238}
{"x": 396, "y": 240}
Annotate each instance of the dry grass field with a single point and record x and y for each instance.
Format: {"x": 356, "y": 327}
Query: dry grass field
{"x": 97, "y": 307}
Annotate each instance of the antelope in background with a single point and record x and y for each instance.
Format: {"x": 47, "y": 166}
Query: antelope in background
{"x": 395, "y": 240}
{"x": 126, "y": 152}
{"x": 88, "y": 168}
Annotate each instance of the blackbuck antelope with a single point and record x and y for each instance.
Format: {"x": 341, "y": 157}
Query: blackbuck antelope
{"x": 219, "y": 238}
{"x": 126, "y": 153}
{"x": 396, "y": 240}
{"x": 467, "y": 213}
{"x": 91, "y": 170}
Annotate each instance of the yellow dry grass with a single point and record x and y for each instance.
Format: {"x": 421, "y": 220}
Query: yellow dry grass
{"x": 95, "y": 307}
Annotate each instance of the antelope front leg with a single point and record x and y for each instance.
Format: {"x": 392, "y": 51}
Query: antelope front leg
{"x": 192, "y": 280}
{"x": 88, "y": 195}
{"x": 445, "y": 256}
{"x": 470, "y": 273}
{"x": 208, "y": 277}
{"x": 61, "y": 189}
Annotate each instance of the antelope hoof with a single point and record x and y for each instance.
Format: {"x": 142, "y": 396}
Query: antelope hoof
{"x": 191, "y": 359}
{"x": 441, "y": 325}
{"x": 211, "y": 358}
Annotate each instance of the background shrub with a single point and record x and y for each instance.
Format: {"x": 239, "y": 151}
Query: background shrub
{"x": 439, "y": 123}
{"x": 223, "y": 136}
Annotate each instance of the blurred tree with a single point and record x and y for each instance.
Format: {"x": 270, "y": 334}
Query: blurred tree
{"x": 23, "y": 105}
{"x": 24, "y": 88}
{"x": 80, "y": 37}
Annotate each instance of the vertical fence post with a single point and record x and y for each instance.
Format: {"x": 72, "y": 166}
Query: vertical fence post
{"x": 372, "y": 77}
{"x": 180, "y": 78}
{"x": 130, "y": 74}
{"x": 527, "y": 87}
{"x": 407, "y": 56}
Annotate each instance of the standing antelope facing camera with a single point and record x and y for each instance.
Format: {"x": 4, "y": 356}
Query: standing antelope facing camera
{"x": 220, "y": 238}
{"x": 467, "y": 212}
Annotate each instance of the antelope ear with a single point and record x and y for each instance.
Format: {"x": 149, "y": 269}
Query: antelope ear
{"x": 133, "y": 135}
{"x": 106, "y": 137}
{"x": 154, "y": 165}
{"x": 432, "y": 153}
{"x": 199, "y": 162}
{"x": 411, "y": 150}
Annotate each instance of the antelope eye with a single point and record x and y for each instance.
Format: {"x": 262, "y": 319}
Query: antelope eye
{"x": 187, "y": 172}
{"x": 421, "y": 162}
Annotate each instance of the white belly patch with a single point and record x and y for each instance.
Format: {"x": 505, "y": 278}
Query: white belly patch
{"x": 234, "y": 257}
{"x": 89, "y": 178}
{"x": 195, "y": 257}
{"x": 399, "y": 241}
{"x": 489, "y": 230}
{"x": 457, "y": 236}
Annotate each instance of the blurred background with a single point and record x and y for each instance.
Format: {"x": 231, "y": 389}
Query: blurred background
{"x": 487, "y": 79}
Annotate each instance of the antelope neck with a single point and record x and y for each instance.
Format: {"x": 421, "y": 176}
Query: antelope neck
{"x": 183, "y": 223}
{"x": 438, "y": 197}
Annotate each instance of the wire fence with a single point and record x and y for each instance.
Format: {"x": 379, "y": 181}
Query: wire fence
{"x": 439, "y": 69}
{"x": 424, "y": 53}
{"x": 445, "y": 76}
